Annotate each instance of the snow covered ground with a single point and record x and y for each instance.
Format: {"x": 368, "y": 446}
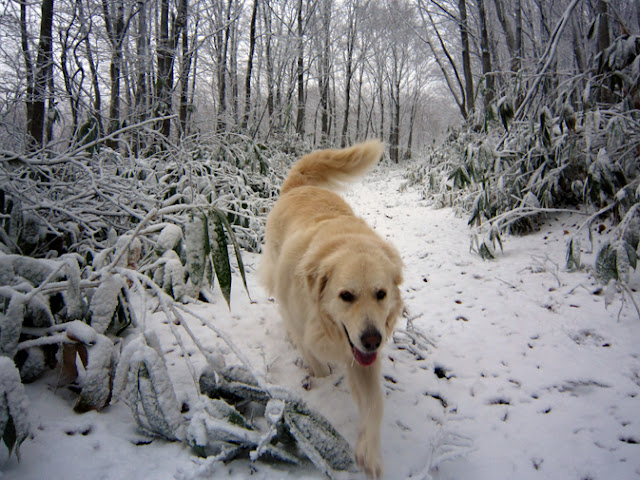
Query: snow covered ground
{"x": 524, "y": 372}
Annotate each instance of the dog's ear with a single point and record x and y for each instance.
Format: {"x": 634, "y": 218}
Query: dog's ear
{"x": 316, "y": 276}
{"x": 392, "y": 319}
{"x": 396, "y": 262}
{"x": 396, "y": 276}
{"x": 317, "y": 285}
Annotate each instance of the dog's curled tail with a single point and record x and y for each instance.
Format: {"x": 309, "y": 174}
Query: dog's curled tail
{"x": 334, "y": 167}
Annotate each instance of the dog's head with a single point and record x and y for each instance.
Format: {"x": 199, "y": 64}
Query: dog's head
{"x": 357, "y": 287}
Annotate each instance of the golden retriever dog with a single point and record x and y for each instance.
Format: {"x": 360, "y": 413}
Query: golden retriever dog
{"x": 336, "y": 281}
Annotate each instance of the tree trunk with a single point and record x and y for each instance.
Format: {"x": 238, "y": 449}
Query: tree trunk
{"x": 604, "y": 41}
{"x": 509, "y": 35}
{"x": 394, "y": 131}
{"x": 301, "y": 104}
{"x": 381, "y": 98}
{"x": 222, "y": 45}
{"x": 487, "y": 73}
{"x": 167, "y": 45}
{"x": 578, "y": 49}
{"x": 114, "y": 22}
{"x": 269, "y": 62}
{"x": 142, "y": 66}
{"x": 324, "y": 74}
{"x": 233, "y": 60}
{"x": 95, "y": 79}
{"x": 36, "y": 104}
{"x": 516, "y": 59}
{"x": 359, "y": 103}
{"x": 164, "y": 78}
{"x": 466, "y": 56}
{"x": 247, "y": 80}
{"x": 412, "y": 117}
{"x": 24, "y": 34}
{"x": 351, "y": 41}
{"x": 185, "y": 68}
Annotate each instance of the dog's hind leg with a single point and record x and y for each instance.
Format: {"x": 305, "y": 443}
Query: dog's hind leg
{"x": 367, "y": 392}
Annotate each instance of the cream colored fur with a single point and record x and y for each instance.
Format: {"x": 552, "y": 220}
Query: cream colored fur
{"x": 336, "y": 281}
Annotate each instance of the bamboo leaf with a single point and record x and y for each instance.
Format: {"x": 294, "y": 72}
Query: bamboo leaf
{"x": 104, "y": 302}
{"x": 573, "y": 254}
{"x": 606, "y": 264}
{"x": 143, "y": 382}
{"x": 10, "y": 436}
{"x": 11, "y": 325}
{"x": 197, "y": 245}
{"x": 219, "y": 254}
{"x": 236, "y": 248}
{"x": 14, "y": 419}
{"x": 97, "y": 381}
{"x": 317, "y": 438}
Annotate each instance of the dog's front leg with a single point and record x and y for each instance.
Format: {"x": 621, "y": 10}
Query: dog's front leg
{"x": 366, "y": 390}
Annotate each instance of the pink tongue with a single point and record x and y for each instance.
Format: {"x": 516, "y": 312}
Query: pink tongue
{"x": 364, "y": 359}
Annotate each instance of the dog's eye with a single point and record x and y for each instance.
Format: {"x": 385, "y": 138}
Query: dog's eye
{"x": 380, "y": 294}
{"x": 347, "y": 296}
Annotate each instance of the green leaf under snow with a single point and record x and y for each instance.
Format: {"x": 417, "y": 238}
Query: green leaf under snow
{"x": 72, "y": 296}
{"x": 97, "y": 380}
{"x": 626, "y": 259}
{"x": 105, "y": 301}
{"x": 573, "y": 254}
{"x": 11, "y": 325}
{"x": 320, "y": 442}
{"x": 173, "y": 273}
{"x": 606, "y": 264}
{"x": 14, "y": 420}
{"x": 236, "y": 247}
{"x": 506, "y": 112}
{"x": 10, "y": 436}
{"x": 196, "y": 247}
{"x": 219, "y": 253}
{"x": 290, "y": 422}
{"x": 143, "y": 382}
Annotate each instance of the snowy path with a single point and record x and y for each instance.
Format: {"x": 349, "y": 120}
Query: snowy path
{"x": 529, "y": 375}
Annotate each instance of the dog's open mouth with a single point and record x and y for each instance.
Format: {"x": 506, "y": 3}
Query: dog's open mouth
{"x": 364, "y": 359}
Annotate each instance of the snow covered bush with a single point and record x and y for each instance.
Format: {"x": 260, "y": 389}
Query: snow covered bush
{"x": 82, "y": 229}
{"x": 14, "y": 419}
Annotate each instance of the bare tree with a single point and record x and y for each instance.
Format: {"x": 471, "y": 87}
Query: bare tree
{"x": 603, "y": 42}
{"x": 487, "y": 72}
{"x": 167, "y": 44}
{"x": 513, "y": 43}
{"x": 466, "y": 56}
{"x": 352, "y": 29}
{"x": 39, "y": 75}
{"x": 248, "y": 75}
{"x": 441, "y": 51}
{"x": 324, "y": 70}
{"x": 116, "y": 25}
{"x": 301, "y": 100}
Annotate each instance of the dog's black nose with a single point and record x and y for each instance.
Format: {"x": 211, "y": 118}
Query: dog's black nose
{"x": 371, "y": 339}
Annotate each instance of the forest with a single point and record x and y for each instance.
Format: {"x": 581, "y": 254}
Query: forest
{"x": 142, "y": 143}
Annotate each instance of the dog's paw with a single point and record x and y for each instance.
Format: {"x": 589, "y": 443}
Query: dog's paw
{"x": 369, "y": 457}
